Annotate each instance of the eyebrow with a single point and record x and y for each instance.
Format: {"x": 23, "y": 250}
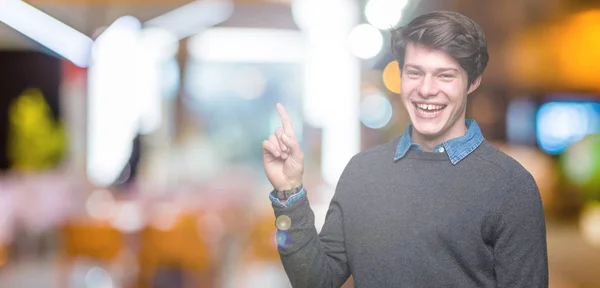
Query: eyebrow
{"x": 438, "y": 70}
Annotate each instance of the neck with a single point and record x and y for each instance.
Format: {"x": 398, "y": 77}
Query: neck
{"x": 428, "y": 142}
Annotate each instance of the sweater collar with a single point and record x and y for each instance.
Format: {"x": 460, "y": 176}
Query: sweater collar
{"x": 456, "y": 148}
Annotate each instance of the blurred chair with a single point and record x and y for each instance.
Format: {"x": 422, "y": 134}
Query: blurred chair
{"x": 91, "y": 240}
{"x": 96, "y": 240}
{"x": 179, "y": 247}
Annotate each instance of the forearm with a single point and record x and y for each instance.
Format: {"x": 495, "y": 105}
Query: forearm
{"x": 309, "y": 260}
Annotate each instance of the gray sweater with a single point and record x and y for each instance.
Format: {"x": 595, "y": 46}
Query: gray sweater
{"x": 422, "y": 222}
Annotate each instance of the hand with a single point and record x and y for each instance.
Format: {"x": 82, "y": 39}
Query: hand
{"x": 282, "y": 158}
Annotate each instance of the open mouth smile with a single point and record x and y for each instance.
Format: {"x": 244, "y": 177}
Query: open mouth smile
{"x": 428, "y": 110}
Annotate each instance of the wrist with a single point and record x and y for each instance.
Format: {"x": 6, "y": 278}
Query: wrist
{"x": 290, "y": 185}
{"x": 284, "y": 194}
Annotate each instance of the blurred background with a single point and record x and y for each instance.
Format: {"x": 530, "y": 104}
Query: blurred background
{"x": 130, "y": 131}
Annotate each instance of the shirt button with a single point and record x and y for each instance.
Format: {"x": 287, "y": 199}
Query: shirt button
{"x": 441, "y": 150}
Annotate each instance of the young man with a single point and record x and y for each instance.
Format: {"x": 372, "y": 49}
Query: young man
{"x": 436, "y": 207}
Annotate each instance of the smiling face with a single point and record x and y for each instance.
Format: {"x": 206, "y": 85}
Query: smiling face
{"x": 434, "y": 91}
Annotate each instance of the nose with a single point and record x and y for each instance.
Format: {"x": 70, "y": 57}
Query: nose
{"x": 428, "y": 87}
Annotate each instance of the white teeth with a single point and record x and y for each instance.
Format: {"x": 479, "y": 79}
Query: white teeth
{"x": 430, "y": 106}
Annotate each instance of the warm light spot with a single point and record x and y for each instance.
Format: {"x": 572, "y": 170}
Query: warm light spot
{"x": 100, "y": 204}
{"x": 391, "y": 77}
{"x": 590, "y": 223}
{"x": 283, "y": 222}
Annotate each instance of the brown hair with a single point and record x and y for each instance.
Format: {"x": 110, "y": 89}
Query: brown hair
{"x": 451, "y": 32}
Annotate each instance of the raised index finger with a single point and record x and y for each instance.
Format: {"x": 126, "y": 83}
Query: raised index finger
{"x": 285, "y": 120}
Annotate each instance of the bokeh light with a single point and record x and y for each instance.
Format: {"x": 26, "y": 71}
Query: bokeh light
{"x": 128, "y": 217}
{"x": 391, "y": 77}
{"x": 365, "y": 41}
{"x": 280, "y": 238}
{"x": 579, "y": 50}
{"x": 283, "y": 222}
{"x": 384, "y": 14}
{"x": 375, "y": 111}
{"x": 589, "y": 223}
{"x": 560, "y": 124}
{"x": 318, "y": 15}
{"x": 581, "y": 165}
{"x": 100, "y": 204}
{"x": 98, "y": 277}
{"x": 165, "y": 215}
{"x": 561, "y": 55}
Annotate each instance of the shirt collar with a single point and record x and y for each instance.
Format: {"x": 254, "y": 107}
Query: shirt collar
{"x": 456, "y": 148}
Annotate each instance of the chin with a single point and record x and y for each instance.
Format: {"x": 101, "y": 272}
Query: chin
{"x": 428, "y": 129}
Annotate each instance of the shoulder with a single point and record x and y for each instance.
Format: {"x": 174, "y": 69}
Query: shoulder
{"x": 513, "y": 178}
{"x": 505, "y": 164}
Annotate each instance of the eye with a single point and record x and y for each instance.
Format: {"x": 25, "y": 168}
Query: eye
{"x": 446, "y": 76}
{"x": 413, "y": 73}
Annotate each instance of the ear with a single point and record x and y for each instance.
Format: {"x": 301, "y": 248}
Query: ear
{"x": 474, "y": 85}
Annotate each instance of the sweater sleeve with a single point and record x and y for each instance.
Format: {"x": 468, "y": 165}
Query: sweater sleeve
{"x": 310, "y": 259}
{"x": 520, "y": 250}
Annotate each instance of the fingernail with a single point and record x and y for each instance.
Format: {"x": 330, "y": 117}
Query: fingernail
{"x": 285, "y": 136}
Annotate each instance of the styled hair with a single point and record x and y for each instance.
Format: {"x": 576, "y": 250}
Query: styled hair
{"x": 451, "y": 32}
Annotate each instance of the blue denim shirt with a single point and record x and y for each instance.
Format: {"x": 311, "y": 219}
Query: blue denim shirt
{"x": 290, "y": 200}
{"x": 456, "y": 148}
